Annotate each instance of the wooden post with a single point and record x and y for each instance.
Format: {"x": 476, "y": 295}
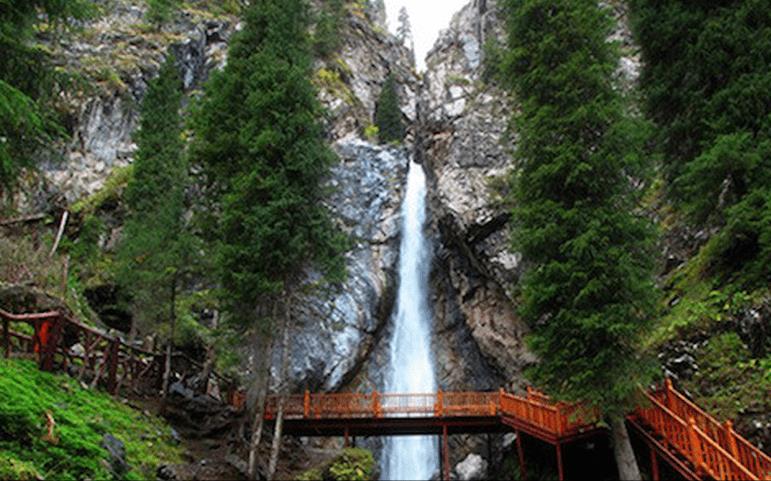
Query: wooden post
{"x": 445, "y": 455}
{"x": 346, "y": 438}
{"x": 500, "y": 400}
{"x": 439, "y": 407}
{"x": 6, "y": 338}
{"x": 668, "y": 393}
{"x": 729, "y": 427}
{"x": 521, "y": 455}
{"x": 654, "y": 464}
{"x": 695, "y": 444}
{"x": 112, "y": 367}
{"x": 52, "y": 343}
{"x": 560, "y": 468}
{"x": 376, "y": 408}
{"x": 307, "y": 404}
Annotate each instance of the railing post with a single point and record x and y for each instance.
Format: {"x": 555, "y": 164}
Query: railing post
{"x": 307, "y": 404}
{"x": 668, "y": 393}
{"x": 695, "y": 444}
{"x": 500, "y": 400}
{"x": 439, "y": 406}
{"x": 560, "y": 420}
{"x": 729, "y": 427}
{"x": 112, "y": 373}
{"x": 376, "y": 408}
{"x": 48, "y": 342}
{"x": 7, "y": 337}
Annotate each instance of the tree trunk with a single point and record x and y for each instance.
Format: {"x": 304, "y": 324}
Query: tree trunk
{"x": 170, "y": 343}
{"x": 622, "y": 449}
{"x": 263, "y": 365}
{"x": 275, "y": 449}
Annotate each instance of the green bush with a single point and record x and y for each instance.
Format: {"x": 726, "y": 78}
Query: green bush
{"x": 354, "y": 464}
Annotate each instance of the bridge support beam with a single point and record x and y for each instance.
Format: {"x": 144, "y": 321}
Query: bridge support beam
{"x": 445, "y": 455}
{"x": 346, "y": 439}
{"x": 521, "y": 456}
{"x": 560, "y": 467}
{"x": 654, "y": 464}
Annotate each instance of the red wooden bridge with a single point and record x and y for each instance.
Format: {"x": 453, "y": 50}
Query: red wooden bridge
{"x": 676, "y": 430}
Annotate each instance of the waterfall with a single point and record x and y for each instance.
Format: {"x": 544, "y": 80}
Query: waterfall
{"x": 411, "y": 368}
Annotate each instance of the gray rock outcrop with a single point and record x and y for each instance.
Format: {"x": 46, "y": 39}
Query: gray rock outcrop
{"x": 465, "y": 148}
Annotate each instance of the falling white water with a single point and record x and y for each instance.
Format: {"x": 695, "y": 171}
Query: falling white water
{"x": 411, "y": 368}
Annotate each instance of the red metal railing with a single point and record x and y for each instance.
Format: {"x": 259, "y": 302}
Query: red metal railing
{"x": 712, "y": 448}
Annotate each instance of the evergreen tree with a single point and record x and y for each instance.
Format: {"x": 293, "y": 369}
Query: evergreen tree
{"x": 327, "y": 36}
{"x": 706, "y": 78}
{"x": 404, "y": 32}
{"x": 27, "y": 83}
{"x": 388, "y": 115}
{"x": 156, "y": 245}
{"x": 588, "y": 290}
{"x": 261, "y": 149}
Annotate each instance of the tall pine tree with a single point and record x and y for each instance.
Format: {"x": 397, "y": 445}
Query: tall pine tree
{"x": 388, "y": 115}
{"x": 262, "y": 152}
{"x": 156, "y": 246}
{"x": 706, "y": 78}
{"x": 588, "y": 289}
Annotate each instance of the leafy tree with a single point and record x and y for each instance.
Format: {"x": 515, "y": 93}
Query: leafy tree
{"x": 161, "y": 11}
{"x": 706, "y": 79}
{"x": 588, "y": 290}
{"x": 156, "y": 245}
{"x": 261, "y": 150}
{"x": 27, "y": 83}
{"x": 388, "y": 115}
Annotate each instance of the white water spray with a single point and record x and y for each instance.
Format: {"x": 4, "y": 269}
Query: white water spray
{"x": 411, "y": 368}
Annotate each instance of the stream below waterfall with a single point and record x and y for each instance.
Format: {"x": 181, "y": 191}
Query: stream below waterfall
{"x": 410, "y": 366}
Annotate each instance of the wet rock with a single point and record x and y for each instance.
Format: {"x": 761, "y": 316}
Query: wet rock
{"x": 179, "y": 389}
{"x": 116, "y": 451}
{"x": 336, "y": 329}
{"x": 473, "y": 468}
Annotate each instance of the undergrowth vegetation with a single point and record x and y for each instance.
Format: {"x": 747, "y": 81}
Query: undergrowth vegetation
{"x": 354, "y": 464}
{"x": 83, "y": 418}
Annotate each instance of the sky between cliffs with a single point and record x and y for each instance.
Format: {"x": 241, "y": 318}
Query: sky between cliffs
{"x": 428, "y": 18}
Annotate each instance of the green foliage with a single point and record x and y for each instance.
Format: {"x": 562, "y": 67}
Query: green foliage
{"x": 729, "y": 380}
{"x": 28, "y": 86}
{"x": 109, "y": 193}
{"x": 354, "y": 464}
{"x": 588, "y": 292}
{"x": 261, "y": 150}
{"x": 371, "y": 132}
{"x": 327, "y": 37}
{"x": 82, "y": 418}
{"x": 388, "y": 115}
{"x": 161, "y": 11}
{"x": 706, "y": 77}
{"x": 155, "y": 244}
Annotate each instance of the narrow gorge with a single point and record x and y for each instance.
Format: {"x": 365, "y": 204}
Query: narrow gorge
{"x": 433, "y": 298}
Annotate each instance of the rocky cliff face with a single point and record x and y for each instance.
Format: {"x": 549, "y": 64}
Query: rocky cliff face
{"x": 116, "y": 57}
{"x": 466, "y": 150}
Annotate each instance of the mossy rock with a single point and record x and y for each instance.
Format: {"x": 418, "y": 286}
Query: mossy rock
{"x": 353, "y": 464}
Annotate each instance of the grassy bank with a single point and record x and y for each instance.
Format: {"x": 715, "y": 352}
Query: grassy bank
{"x": 83, "y": 418}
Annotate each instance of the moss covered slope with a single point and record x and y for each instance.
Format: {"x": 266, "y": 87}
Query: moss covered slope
{"x": 83, "y": 418}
